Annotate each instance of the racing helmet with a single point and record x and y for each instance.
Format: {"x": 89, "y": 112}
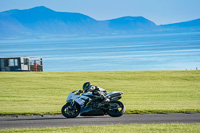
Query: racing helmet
{"x": 86, "y": 86}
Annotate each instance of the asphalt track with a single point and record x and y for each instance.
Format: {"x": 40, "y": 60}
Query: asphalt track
{"x": 60, "y": 121}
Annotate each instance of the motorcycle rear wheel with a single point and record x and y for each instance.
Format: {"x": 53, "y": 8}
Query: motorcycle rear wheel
{"x": 70, "y": 112}
{"x": 116, "y": 109}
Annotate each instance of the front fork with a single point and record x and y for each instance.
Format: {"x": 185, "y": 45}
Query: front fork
{"x": 71, "y": 104}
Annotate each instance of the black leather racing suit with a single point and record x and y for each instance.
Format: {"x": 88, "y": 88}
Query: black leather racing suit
{"x": 99, "y": 93}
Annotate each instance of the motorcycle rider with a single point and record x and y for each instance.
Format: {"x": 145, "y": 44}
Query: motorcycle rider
{"x": 88, "y": 87}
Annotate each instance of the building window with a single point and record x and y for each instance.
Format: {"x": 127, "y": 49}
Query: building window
{"x": 26, "y": 61}
{"x": 13, "y": 62}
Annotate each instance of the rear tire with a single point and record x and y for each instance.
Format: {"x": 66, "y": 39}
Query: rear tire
{"x": 70, "y": 112}
{"x": 116, "y": 109}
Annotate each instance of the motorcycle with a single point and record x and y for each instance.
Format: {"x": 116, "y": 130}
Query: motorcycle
{"x": 86, "y": 104}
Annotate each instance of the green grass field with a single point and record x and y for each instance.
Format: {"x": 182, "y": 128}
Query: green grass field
{"x": 133, "y": 128}
{"x": 144, "y": 91}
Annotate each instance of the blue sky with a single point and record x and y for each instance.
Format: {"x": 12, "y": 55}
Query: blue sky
{"x": 158, "y": 11}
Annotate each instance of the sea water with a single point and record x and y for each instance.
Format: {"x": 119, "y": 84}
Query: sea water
{"x": 177, "y": 51}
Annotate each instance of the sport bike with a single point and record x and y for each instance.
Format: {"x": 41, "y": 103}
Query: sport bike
{"x": 87, "y": 104}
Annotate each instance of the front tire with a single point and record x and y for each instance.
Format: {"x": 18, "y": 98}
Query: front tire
{"x": 70, "y": 111}
{"x": 116, "y": 109}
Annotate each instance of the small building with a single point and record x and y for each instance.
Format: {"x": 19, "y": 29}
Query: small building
{"x": 21, "y": 64}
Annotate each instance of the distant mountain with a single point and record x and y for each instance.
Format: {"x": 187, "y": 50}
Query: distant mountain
{"x": 193, "y": 25}
{"x": 131, "y": 23}
{"x": 42, "y": 22}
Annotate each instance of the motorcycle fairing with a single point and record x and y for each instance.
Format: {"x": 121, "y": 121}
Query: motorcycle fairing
{"x": 93, "y": 113}
{"x": 78, "y": 98}
{"x": 114, "y": 94}
{"x": 85, "y": 110}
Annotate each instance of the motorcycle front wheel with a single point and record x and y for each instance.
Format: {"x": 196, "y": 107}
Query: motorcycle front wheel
{"x": 116, "y": 109}
{"x": 70, "y": 111}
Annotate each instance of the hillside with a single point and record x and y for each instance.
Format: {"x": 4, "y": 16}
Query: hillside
{"x": 144, "y": 91}
{"x": 42, "y": 21}
{"x": 193, "y": 25}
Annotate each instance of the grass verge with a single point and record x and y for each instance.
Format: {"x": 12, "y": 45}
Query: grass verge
{"x": 132, "y": 128}
{"x": 37, "y": 93}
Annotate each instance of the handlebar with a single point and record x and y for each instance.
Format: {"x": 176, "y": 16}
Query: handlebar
{"x": 78, "y": 92}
